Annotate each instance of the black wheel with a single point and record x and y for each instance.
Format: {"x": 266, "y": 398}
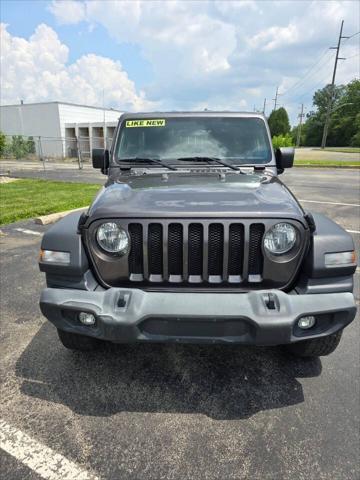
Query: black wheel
{"x": 73, "y": 341}
{"x": 316, "y": 347}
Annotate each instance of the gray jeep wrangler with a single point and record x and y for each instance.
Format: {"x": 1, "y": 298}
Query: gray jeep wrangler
{"x": 195, "y": 239}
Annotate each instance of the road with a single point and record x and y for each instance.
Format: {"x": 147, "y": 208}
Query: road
{"x": 174, "y": 412}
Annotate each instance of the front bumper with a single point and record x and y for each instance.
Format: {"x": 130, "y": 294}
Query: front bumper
{"x": 133, "y": 315}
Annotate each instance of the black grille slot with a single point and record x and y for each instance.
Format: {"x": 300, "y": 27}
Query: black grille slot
{"x": 256, "y": 258}
{"x": 175, "y": 248}
{"x": 195, "y": 247}
{"x": 216, "y": 249}
{"x": 215, "y": 252}
{"x": 236, "y": 249}
{"x": 136, "y": 252}
{"x": 155, "y": 249}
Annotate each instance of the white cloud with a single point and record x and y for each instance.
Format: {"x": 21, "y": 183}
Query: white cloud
{"x": 177, "y": 37}
{"x": 37, "y": 70}
{"x": 208, "y": 54}
{"x": 255, "y": 92}
{"x": 275, "y": 37}
{"x": 221, "y": 52}
{"x": 233, "y": 8}
{"x": 74, "y": 11}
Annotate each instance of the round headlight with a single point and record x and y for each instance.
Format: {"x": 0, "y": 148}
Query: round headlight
{"x": 280, "y": 238}
{"x": 113, "y": 239}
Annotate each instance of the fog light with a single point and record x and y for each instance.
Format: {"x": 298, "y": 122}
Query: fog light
{"x": 306, "y": 322}
{"x": 86, "y": 318}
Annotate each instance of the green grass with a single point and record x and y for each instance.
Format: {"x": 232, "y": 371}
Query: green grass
{"x": 326, "y": 163}
{"x": 30, "y": 198}
{"x": 341, "y": 149}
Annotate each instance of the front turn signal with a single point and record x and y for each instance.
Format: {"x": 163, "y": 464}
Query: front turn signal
{"x": 340, "y": 259}
{"x": 52, "y": 256}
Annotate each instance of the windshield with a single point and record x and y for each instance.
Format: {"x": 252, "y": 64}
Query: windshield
{"x": 236, "y": 140}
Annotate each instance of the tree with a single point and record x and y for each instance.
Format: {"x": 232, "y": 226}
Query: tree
{"x": 19, "y": 146}
{"x": 321, "y": 97}
{"x": 279, "y": 122}
{"x": 294, "y": 134}
{"x": 343, "y": 122}
{"x": 355, "y": 140}
{"x": 344, "y": 128}
{"x": 31, "y": 145}
{"x": 313, "y": 128}
{"x": 2, "y": 143}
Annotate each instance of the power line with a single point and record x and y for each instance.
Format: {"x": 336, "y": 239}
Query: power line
{"x": 330, "y": 102}
{"x": 300, "y": 81}
{"x": 351, "y": 36}
{"x": 309, "y": 84}
{"x": 299, "y": 98}
{"x": 312, "y": 89}
{"x": 352, "y": 56}
{"x": 317, "y": 62}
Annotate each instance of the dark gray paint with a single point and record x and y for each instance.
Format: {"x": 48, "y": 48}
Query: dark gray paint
{"x": 277, "y": 273}
{"x": 63, "y": 237}
{"x": 251, "y": 321}
{"x": 196, "y": 195}
{"x": 207, "y": 194}
{"x": 328, "y": 237}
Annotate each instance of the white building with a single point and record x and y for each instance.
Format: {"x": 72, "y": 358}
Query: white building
{"x": 63, "y": 127}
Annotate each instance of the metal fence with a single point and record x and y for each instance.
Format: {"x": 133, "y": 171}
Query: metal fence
{"x": 70, "y": 151}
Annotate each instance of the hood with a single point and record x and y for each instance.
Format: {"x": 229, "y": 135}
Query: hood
{"x": 203, "y": 195}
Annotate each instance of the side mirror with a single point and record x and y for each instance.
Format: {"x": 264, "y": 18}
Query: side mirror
{"x": 284, "y": 158}
{"x": 100, "y": 159}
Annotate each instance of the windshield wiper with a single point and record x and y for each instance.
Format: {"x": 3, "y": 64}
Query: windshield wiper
{"x": 147, "y": 160}
{"x": 210, "y": 159}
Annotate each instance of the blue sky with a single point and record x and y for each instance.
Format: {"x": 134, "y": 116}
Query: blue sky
{"x": 174, "y": 55}
{"x": 79, "y": 38}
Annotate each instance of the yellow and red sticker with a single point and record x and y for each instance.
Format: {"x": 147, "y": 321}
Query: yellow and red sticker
{"x": 146, "y": 122}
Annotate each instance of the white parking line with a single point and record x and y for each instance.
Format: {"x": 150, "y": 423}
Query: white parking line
{"x": 29, "y": 232}
{"x": 330, "y": 203}
{"x": 39, "y": 458}
{"x": 353, "y": 231}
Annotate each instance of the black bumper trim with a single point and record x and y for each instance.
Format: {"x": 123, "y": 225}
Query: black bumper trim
{"x": 197, "y": 317}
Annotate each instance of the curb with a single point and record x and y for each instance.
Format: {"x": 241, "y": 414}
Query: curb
{"x": 346, "y": 167}
{"x": 54, "y": 217}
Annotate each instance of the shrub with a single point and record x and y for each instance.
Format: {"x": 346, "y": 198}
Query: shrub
{"x": 21, "y": 147}
{"x": 2, "y": 143}
{"x": 282, "y": 141}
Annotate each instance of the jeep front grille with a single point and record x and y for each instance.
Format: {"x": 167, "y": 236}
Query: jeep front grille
{"x": 195, "y": 252}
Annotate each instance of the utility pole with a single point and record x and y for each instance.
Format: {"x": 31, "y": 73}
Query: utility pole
{"x": 301, "y": 115}
{"x": 104, "y": 123}
{"x": 264, "y": 107}
{"x": 331, "y": 97}
{"x": 276, "y": 97}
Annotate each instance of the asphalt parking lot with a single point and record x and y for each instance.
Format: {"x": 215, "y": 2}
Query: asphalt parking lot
{"x": 174, "y": 411}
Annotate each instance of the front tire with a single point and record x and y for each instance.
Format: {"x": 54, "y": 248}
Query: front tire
{"x": 74, "y": 341}
{"x": 316, "y": 347}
